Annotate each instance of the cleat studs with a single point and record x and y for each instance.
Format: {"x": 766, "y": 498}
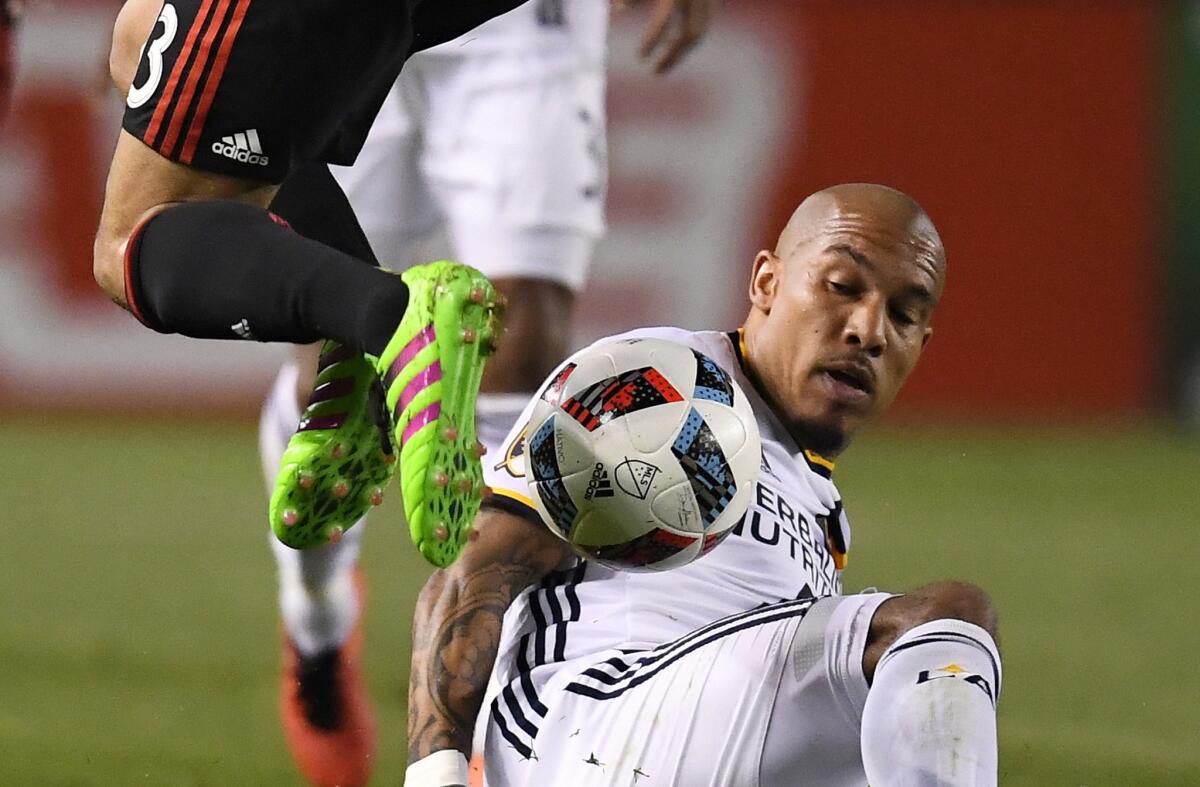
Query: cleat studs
{"x": 441, "y": 532}
{"x": 341, "y": 488}
{"x": 480, "y": 449}
{"x": 335, "y": 534}
{"x": 468, "y": 335}
{"x": 305, "y": 479}
{"x": 441, "y": 479}
{"x": 338, "y": 451}
{"x": 465, "y": 485}
{"x": 376, "y": 498}
{"x": 450, "y": 433}
{"x": 478, "y": 295}
{"x": 290, "y": 517}
{"x": 390, "y": 458}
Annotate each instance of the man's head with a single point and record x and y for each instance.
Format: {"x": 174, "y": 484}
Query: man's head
{"x": 841, "y": 309}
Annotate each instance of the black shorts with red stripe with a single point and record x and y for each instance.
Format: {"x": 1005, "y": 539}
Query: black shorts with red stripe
{"x": 252, "y": 87}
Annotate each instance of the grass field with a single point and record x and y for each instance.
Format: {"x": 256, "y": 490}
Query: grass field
{"x": 139, "y": 641}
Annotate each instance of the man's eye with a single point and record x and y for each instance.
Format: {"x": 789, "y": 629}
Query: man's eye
{"x": 901, "y": 317}
{"x": 840, "y": 288}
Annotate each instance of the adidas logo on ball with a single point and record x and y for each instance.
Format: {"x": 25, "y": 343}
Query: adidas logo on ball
{"x": 599, "y": 486}
{"x": 243, "y": 147}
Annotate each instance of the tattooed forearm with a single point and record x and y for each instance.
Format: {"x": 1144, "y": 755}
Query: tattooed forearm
{"x": 456, "y": 630}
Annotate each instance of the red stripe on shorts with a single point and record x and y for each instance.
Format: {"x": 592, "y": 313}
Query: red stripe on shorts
{"x": 165, "y": 100}
{"x": 189, "y": 88}
{"x": 213, "y": 81}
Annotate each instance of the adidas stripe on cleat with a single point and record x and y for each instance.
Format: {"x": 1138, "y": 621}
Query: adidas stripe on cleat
{"x": 341, "y": 457}
{"x": 431, "y": 370}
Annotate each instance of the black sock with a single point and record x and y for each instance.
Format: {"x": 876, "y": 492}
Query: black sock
{"x": 227, "y": 270}
{"x": 314, "y": 205}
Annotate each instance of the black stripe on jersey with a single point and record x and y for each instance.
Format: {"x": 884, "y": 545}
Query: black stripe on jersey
{"x": 646, "y": 668}
{"x": 948, "y": 636}
{"x": 514, "y": 707}
{"x": 547, "y": 610}
{"x": 522, "y": 749}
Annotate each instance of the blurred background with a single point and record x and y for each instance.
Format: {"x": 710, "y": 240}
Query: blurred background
{"x": 1045, "y": 449}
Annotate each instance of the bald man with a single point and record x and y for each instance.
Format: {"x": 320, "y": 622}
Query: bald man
{"x": 748, "y": 666}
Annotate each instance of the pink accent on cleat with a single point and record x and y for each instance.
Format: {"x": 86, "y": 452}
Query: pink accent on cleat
{"x": 441, "y": 533}
{"x": 290, "y": 516}
{"x": 335, "y": 534}
{"x": 464, "y": 485}
{"x": 468, "y": 335}
{"x": 341, "y": 488}
{"x": 480, "y": 449}
{"x": 425, "y": 378}
{"x": 451, "y": 433}
{"x": 376, "y": 498}
{"x": 415, "y": 345}
{"x": 477, "y": 295}
{"x": 305, "y": 480}
{"x": 420, "y": 420}
{"x": 338, "y": 451}
{"x": 441, "y": 479}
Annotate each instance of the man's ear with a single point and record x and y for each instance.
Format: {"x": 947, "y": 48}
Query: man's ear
{"x": 925, "y": 339}
{"x": 764, "y": 280}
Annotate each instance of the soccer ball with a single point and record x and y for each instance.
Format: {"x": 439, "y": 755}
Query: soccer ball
{"x": 642, "y": 454}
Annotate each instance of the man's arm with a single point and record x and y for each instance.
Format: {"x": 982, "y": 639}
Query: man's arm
{"x": 456, "y": 627}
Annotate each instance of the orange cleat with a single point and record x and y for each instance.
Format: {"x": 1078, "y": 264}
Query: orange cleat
{"x": 327, "y": 718}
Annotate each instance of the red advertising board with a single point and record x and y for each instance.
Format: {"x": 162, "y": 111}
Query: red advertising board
{"x": 1027, "y": 130}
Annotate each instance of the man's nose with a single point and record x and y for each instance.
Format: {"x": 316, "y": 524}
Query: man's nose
{"x": 867, "y": 327}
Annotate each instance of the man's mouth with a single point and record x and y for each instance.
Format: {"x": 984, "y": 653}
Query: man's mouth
{"x": 849, "y": 381}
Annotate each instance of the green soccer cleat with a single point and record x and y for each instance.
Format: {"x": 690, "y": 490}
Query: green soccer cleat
{"x": 431, "y": 371}
{"x": 341, "y": 458}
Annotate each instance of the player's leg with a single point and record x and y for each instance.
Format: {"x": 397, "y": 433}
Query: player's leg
{"x": 514, "y": 153}
{"x": 225, "y": 269}
{"x": 326, "y": 714}
{"x": 930, "y": 716}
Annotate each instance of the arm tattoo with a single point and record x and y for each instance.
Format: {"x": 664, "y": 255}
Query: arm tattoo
{"x": 456, "y": 633}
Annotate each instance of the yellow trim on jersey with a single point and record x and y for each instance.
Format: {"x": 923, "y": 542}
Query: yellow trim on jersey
{"x": 817, "y": 459}
{"x": 520, "y": 498}
{"x": 742, "y": 342}
{"x": 839, "y": 560}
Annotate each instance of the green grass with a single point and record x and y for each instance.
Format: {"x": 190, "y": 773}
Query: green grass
{"x": 139, "y": 641}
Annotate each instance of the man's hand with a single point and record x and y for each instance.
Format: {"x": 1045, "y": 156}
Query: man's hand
{"x": 675, "y": 27}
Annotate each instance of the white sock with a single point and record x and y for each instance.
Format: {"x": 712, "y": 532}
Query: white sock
{"x": 317, "y": 599}
{"x": 495, "y": 414}
{"x": 930, "y": 715}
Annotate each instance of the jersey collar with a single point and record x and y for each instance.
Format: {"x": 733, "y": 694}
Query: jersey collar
{"x": 821, "y": 465}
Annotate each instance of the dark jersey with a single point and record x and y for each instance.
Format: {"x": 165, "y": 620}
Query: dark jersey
{"x": 249, "y": 87}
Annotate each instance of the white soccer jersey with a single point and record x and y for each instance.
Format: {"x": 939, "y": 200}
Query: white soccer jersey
{"x": 577, "y": 26}
{"x": 790, "y": 545}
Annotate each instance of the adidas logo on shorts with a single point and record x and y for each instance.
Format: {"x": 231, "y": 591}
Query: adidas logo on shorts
{"x": 243, "y": 146}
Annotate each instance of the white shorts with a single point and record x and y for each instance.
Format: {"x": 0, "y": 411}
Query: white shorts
{"x": 499, "y": 156}
{"x": 773, "y": 696}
